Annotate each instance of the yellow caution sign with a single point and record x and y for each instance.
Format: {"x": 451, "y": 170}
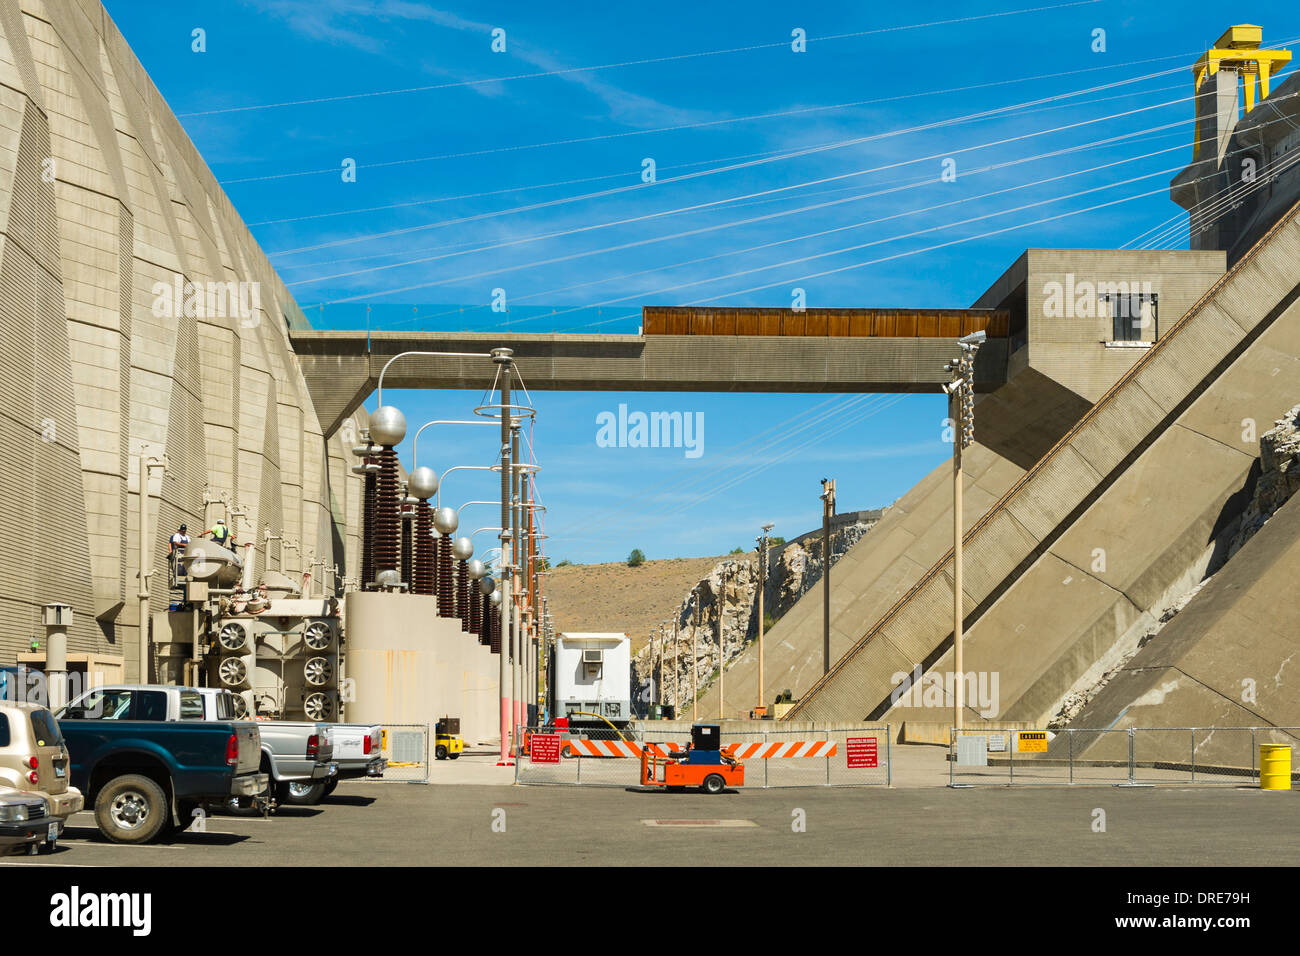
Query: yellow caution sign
{"x": 1032, "y": 741}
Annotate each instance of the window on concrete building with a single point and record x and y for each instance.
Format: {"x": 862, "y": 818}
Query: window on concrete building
{"x": 1134, "y": 316}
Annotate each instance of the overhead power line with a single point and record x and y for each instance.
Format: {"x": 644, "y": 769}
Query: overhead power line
{"x": 626, "y": 63}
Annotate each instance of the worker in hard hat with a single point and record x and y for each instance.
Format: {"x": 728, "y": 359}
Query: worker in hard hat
{"x": 219, "y": 533}
{"x": 179, "y": 540}
{"x": 176, "y": 546}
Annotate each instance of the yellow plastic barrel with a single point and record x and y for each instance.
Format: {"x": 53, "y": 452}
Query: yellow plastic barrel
{"x": 1274, "y": 767}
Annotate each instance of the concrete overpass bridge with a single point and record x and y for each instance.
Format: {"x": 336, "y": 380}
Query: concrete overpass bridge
{"x": 681, "y": 350}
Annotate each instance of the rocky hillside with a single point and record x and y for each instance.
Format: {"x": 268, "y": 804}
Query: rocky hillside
{"x": 614, "y": 597}
{"x": 729, "y": 589}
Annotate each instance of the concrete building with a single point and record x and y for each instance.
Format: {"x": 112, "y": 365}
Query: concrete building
{"x": 139, "y": 314}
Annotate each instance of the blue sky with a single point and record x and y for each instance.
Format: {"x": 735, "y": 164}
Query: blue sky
{"x": 820, "y": 170}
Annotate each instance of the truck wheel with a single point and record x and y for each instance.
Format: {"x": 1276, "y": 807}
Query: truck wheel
{"x": 300, "y": 794}
{"x": 714, "y": 783}
{"x": 452, "y": 756}
{"x": 440, "y": 752}
{"x": 131, "y": 809}
{"x": 331, "y": 787}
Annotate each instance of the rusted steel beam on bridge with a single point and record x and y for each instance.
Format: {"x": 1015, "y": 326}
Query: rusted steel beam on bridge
{"x": 835, "y": 323}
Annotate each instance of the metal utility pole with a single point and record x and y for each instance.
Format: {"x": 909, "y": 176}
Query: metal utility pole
{"x": 828, "y": 512}
{"x": 148, "y": 465}
{"x": 961, "y": 414}
{"x": 676, "y": 683}
{"x": 695, "y": 661}
{"x": 722, "y": 664}
{"x": 659, "y": 681}
{"x": 502, "y": 357}
{"x": 762, "y": 587}
{"x": 517, "y": 550}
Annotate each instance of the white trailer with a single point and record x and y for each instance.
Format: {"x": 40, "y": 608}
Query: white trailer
{"x": 592, "y": 674}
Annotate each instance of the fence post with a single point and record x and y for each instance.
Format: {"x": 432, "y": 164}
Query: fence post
{"x": 1069, "y": 735}
{"x": 1013, "y": 741}
{"x": 952, "y": 752}
{"x": 826, "y": 735}
{"x": 1193, "y": 733}
{"x": 519, "y": 755}
{"x": 765, "y": 736}
{"x": 1132, "y": 755}
{"x": 1253, "y": 751}
{"x": 579, "y": 758}
{"x": 889, "y": 757}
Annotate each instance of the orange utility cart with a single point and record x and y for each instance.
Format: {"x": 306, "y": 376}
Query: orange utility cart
{"x": 704, "y": 765}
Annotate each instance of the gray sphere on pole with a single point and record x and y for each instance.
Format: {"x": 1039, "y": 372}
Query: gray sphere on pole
{"x": 462, "y": 549}
{"x": 387, "y": 426}
{"x": 446, "y": 520}
{"x": 488, "y": 585}
{"x": 476, "y": 570}
{"x": 495, "y": 598}
{"x": 388, "y": 579}
{"x": 423, "y": 483}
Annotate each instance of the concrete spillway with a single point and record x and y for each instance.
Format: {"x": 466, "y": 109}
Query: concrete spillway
{"x": 1068, "y": 558}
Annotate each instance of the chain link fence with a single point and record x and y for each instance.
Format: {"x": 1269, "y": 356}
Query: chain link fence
{"x": 1132, "y": 756}
{"x": 852, "y": 757}
{"x": 406, "y": 748}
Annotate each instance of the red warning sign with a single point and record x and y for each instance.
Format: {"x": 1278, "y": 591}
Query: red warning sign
{"x": 544, "y": 748}
{"x": 861, "y": 752}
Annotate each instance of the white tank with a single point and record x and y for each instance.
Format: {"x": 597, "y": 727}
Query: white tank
{"x": 205, "y": 561}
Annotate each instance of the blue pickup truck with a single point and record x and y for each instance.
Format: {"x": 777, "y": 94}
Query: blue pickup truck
{"x": 147, "y": 778}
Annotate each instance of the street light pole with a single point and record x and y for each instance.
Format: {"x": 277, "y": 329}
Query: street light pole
{"x": 961, "y": 405}
{"x": 722, "y": 664}
{"x": 762, "y": 587}
{"x": 695, "y": 661}
{"x": 659, "y": 681}
{"x": 502, "y": 356}
{"x": 517, "y": 593}
{"x": 828, "y": 511}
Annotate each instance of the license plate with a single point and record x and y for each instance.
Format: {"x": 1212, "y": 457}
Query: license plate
{"x": 60, "y": 771}
{"x": 52, "y": 833}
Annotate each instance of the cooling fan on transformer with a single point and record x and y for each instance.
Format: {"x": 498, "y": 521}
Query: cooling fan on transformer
{"x": 233, "y": 672}
{"x": 318, "y": 671}
{"x": 319, "y": 706}
{"x": 232, "y": 637}
{"x": 317, "y": 636}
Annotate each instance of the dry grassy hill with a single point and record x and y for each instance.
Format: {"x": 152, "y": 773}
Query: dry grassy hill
{"x": 614, "y": 597}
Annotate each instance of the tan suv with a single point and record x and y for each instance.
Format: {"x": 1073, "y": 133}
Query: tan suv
{"x": 34, "y": 760}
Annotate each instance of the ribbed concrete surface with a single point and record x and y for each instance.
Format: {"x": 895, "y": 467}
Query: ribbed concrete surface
{"x": 102, "y": 195}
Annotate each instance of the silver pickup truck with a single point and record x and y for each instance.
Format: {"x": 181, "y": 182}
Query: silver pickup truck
{"x": 356, "y": 752}
{"x": 297, "y": 757}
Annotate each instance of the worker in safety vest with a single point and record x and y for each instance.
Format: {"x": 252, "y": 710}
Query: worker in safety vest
{"x": 219, "y": 533}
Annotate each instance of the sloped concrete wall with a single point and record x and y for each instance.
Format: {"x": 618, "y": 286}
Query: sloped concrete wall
{"x": 1205, "y": 377}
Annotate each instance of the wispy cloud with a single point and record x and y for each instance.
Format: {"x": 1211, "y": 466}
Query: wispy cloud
{"x": 352, "y": 22}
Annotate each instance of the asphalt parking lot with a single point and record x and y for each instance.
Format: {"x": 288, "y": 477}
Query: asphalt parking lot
{"x": 396, "y": 824}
